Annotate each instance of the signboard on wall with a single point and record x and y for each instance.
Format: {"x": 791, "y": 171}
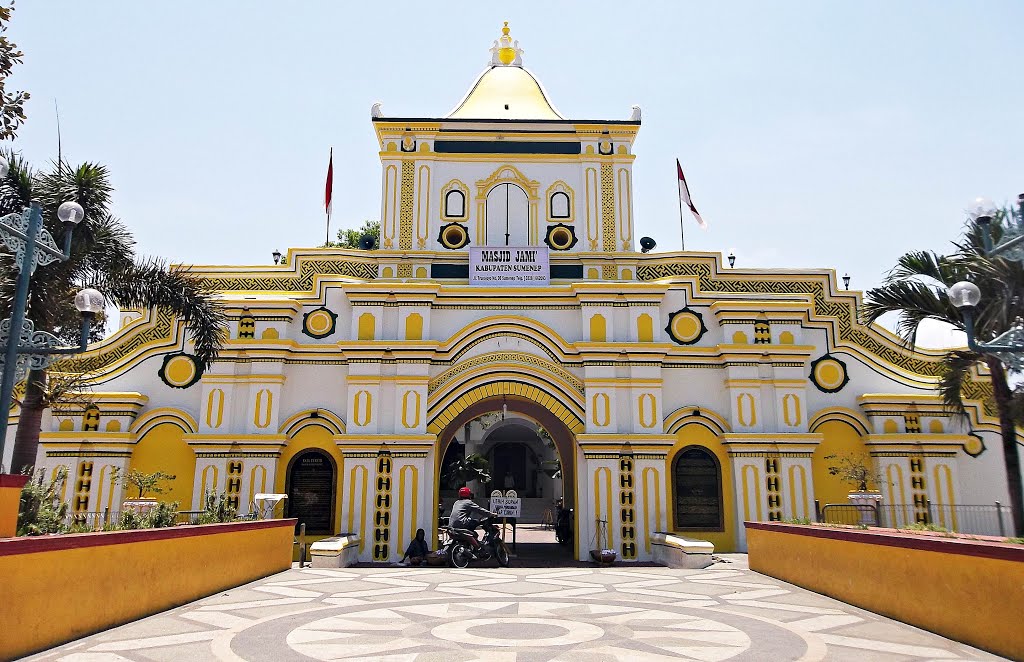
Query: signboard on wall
{"x": 509, "y": 266}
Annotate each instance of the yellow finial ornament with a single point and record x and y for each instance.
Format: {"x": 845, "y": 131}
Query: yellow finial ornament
{"x": 506, "y": 53}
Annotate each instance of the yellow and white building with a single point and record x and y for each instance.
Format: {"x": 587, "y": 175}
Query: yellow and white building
{"x": 677, "y": 394}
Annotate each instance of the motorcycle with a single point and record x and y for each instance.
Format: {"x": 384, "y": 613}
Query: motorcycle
{"x": 464, "y": 547}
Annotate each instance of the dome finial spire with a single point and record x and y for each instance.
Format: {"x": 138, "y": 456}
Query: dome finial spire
{"x": 506, "y": 51}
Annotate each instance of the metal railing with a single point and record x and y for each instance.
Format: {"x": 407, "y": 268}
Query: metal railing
{"x": 111, "y": 519}
{"x": 970, "y": 519}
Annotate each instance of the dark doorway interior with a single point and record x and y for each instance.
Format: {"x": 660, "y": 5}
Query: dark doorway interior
{"x": 311, "y": 481}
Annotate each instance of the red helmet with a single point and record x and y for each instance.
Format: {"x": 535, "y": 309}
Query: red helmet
{"x": 464, "y": 493}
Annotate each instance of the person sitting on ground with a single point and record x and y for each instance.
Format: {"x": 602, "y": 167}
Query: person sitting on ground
{"x": 466, "y": 514}
{"x": 417, "y": 550}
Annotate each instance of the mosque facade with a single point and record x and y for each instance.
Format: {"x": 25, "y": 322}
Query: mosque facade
{"x": 507, "y": 313}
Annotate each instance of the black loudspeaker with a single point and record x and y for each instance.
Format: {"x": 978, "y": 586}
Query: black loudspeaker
{"x": 647, "y": 244}
{"x": 368, "y": 242}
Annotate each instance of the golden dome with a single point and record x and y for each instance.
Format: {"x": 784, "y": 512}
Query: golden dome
{"x": 509, "y": 93}
{"x": 506, "y": 90}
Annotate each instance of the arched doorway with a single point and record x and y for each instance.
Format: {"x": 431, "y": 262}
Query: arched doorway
{"x": 508, "y": 216}
{"x": 310, "y": 486}
{"x": 563, "y": 446}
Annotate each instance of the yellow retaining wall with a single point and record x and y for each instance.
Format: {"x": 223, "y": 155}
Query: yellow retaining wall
{"x": 967, "y": 590}
{"x": 59, "y": 588}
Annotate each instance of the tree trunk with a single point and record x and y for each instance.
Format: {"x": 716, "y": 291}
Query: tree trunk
{"x": 1008, "y": 430}
{"x": 26, "y": 440}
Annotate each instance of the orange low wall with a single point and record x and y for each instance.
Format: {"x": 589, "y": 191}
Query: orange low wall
{"x": 57, "y": 588}
{"x": 10, "y": 501}
{"x": 968, "y": 590}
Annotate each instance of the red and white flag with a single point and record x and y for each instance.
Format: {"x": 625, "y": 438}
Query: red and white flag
{"x": 684, "y": 197}
{"x": 330, "y": 184}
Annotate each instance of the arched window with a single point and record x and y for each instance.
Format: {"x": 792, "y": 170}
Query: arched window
{"x": 560, "y": 205}
{"x": 697, "y": 490}
{"x": 455, "y": 204}
{"x": 508, "y": 216}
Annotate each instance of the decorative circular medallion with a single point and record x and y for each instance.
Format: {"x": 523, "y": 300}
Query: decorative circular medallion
{"x": 975, "y": 445}
{"x": 829, "y": 374}
{"x": 561, "y": 237}
{"x": 453, "y": 236}
{"x": 686, "y": 326}
{"x": 319, "y": 323}
{"x": 180, "y": 370}
{"x": 548, "y": 630}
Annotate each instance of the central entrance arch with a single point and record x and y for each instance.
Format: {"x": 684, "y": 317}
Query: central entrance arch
{"x": 560, "y": 423}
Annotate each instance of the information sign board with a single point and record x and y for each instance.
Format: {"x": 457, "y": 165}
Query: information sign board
{"x": 507, "y": 506}
{"x": 509, "y": 266}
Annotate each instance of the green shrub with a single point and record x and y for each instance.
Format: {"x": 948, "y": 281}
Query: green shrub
{"x": 217, "y": 508}
{"x": 918, "y": 526}
{"x": 162, "y": 515}
{"x": 41, "y": 509}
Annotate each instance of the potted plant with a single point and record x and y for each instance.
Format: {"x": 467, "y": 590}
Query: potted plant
{"x": 856, "y": 470}
{"x": 144, "y": 483}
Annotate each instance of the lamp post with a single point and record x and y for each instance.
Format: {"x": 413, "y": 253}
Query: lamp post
{"x": 982, "y": 211}
{"x": 1008, "y": 346}
{"x": 22, "y": 346}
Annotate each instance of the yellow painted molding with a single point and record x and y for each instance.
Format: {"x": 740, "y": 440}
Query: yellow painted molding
{"x": 687, "y": 415}
{"x": 918, "y": 439}
{"x": 756, "y": 383}
{"x": 844, "y": 414}
{"x": 240, "y": 379}
{"x": 773, "y": 438}
{"x": 154, "y": 417}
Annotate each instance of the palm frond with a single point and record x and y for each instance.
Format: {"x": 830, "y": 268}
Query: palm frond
{"x": 956, "y": 370}
{"x": 149, "y": 284}
{"x": 914, "y": 301}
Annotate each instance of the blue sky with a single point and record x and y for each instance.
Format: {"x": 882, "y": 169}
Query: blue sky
{"x": 820, "y": 134}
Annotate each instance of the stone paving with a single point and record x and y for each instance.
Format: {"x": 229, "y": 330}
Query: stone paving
{"x": 397, "y": 614}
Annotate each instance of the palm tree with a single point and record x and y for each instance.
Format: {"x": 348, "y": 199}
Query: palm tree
{"x": 916, "y": 289}
{"x": 103, "y": 257}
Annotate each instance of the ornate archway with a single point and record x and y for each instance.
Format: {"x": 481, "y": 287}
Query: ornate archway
{"x": 531, "y": 401}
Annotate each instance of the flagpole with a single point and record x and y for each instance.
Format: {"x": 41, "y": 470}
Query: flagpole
{"x": 682, "y": 233}
{"x": 330, "y": 195}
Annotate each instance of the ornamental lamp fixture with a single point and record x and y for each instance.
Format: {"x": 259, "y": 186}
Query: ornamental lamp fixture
{"x": 90, "y": 302}
{"x": 277, "y": 256}
{"x": 732, "y": 259}
{"x": 31, "y": 246}
{"x": 982, "y": 211}
{"x": 846, "y": 280}
{"x": 1008, "y": 347}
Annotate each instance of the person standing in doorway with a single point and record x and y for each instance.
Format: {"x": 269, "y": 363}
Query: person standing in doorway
{"x": 510, "y": 480}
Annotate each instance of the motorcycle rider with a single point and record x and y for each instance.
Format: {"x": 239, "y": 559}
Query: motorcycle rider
{"x": 466, "y": 514}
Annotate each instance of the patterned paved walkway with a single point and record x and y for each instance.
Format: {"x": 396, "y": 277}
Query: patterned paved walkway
{"x": 722, "y": 613}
